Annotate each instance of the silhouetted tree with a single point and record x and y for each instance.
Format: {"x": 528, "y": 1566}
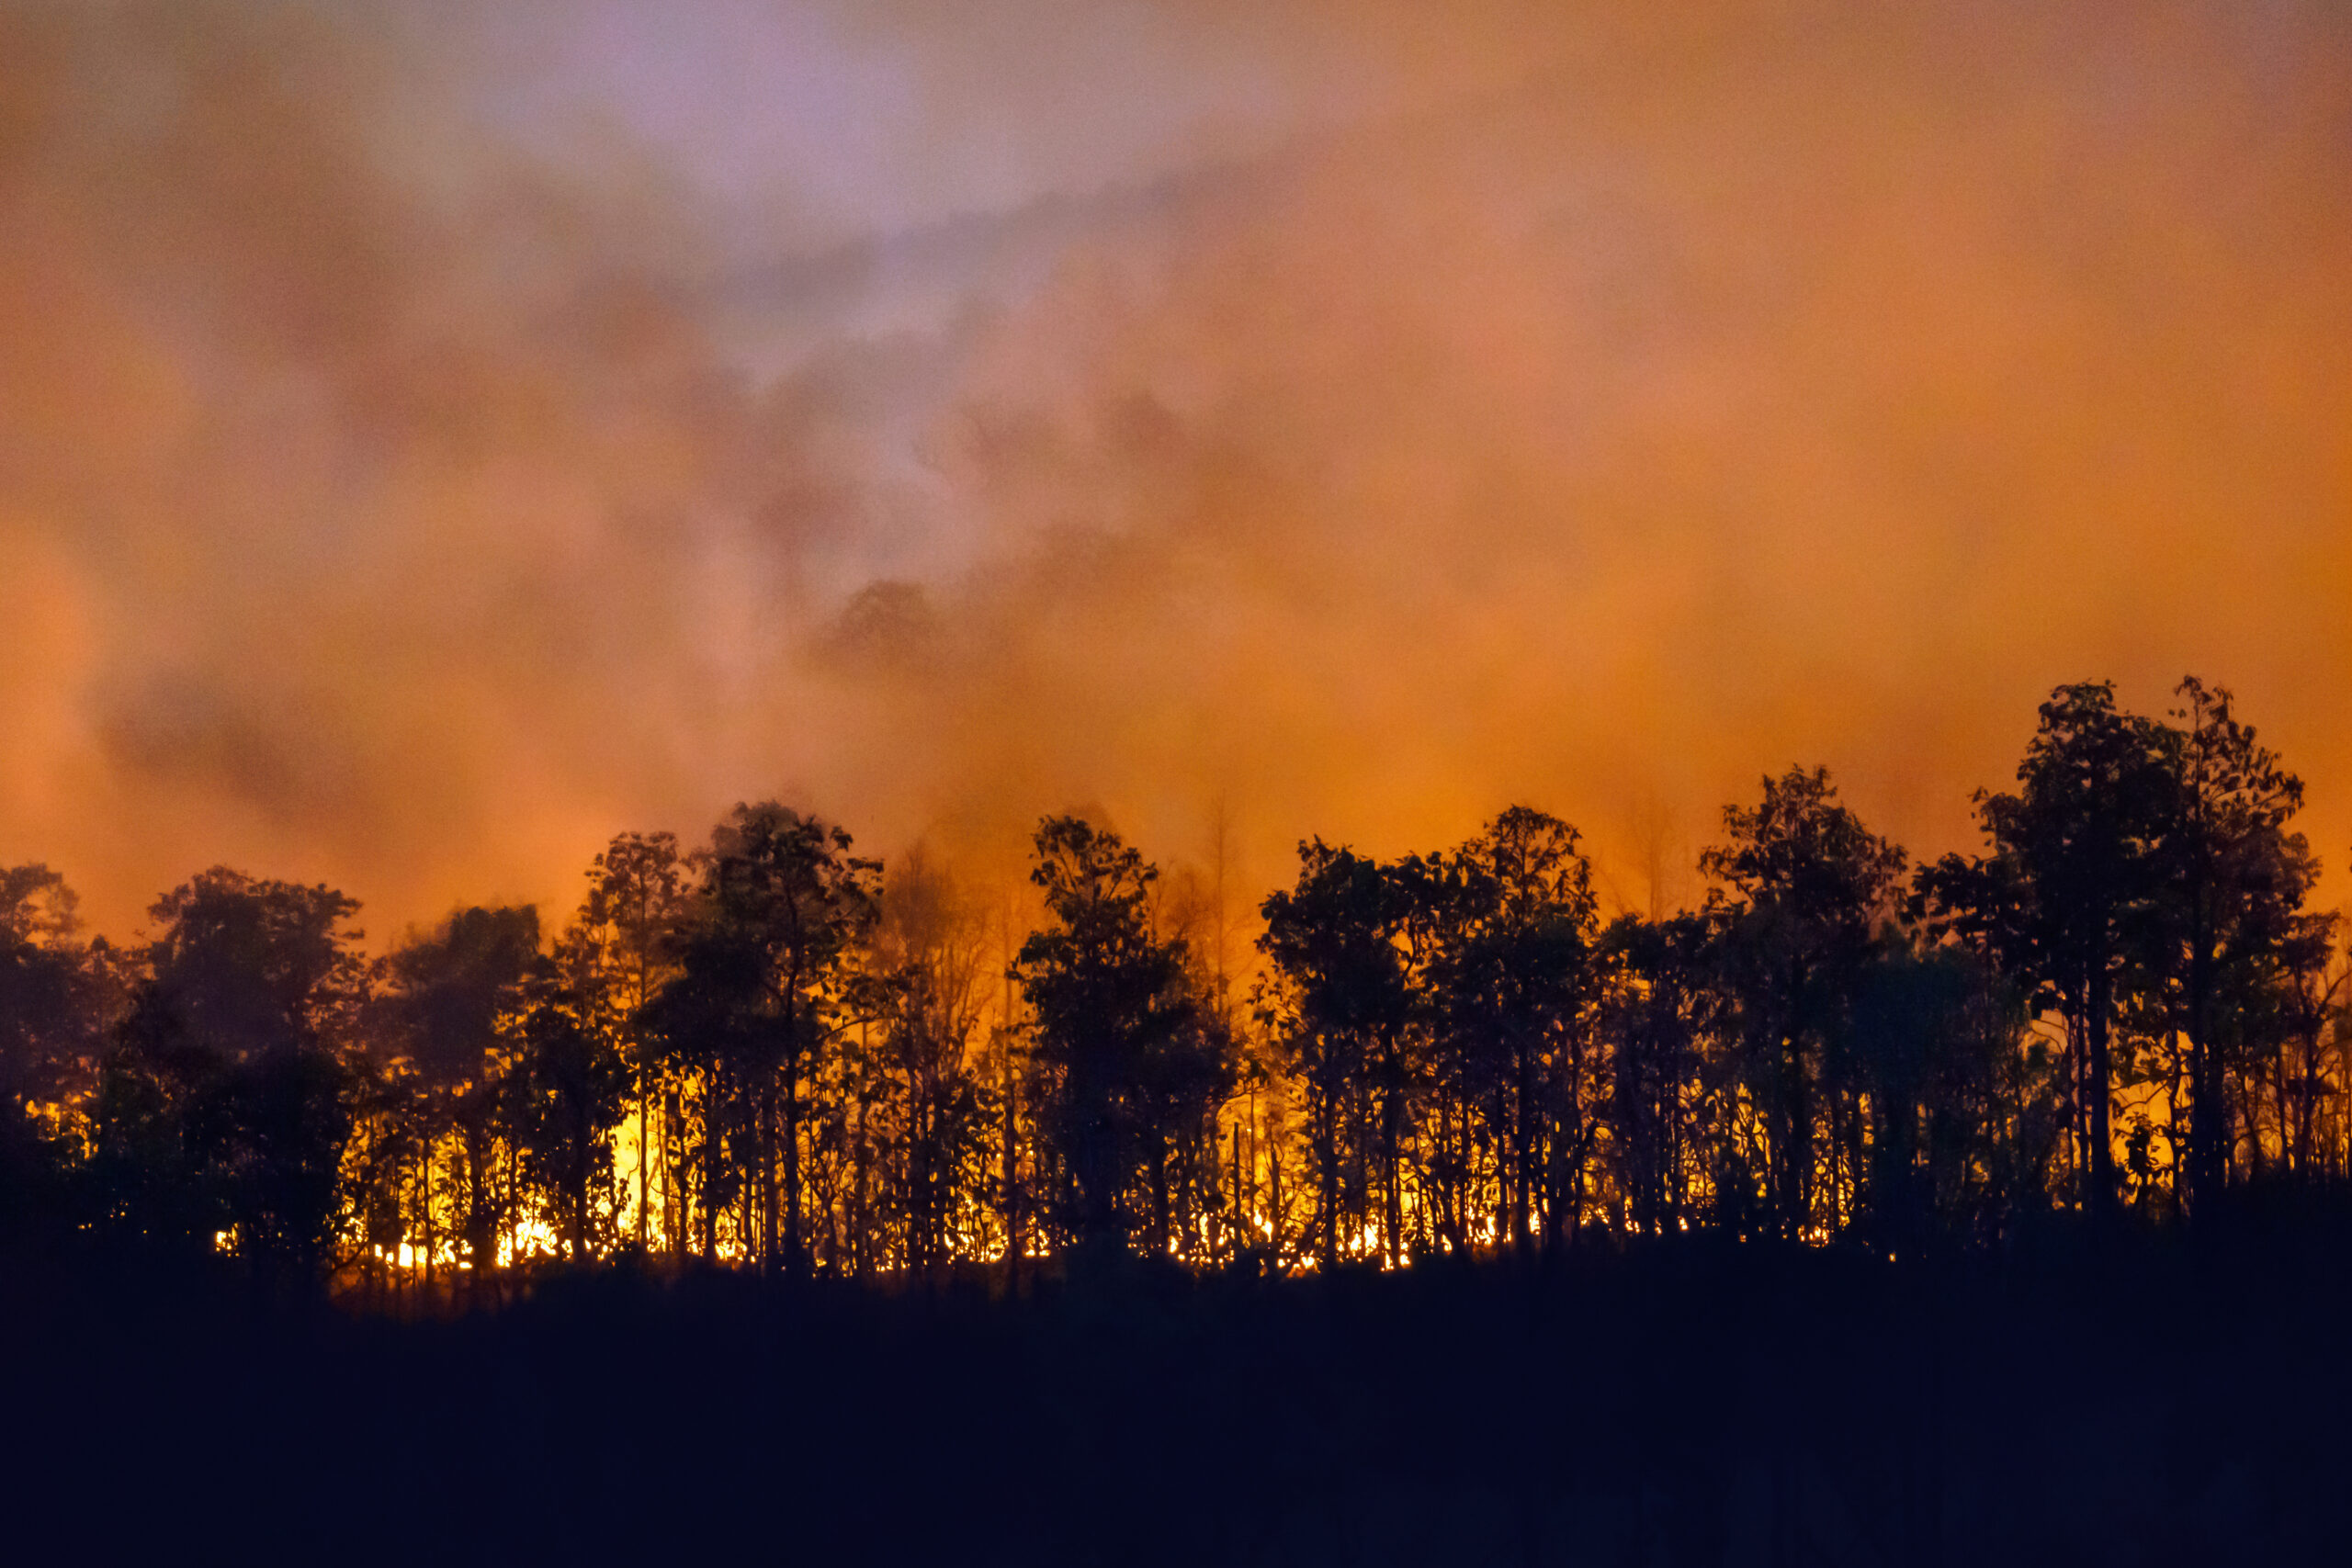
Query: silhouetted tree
{"x": 2227, "y": 894}
{"x": 45, "y": 1021}
{"x": 1658, "y": 996}
{"x": 453, "y": 999}
{"x": 566, "y": 1092}
{"x": 1802, "y": 888}
{"x": 56, "y": 1002}
{"x": 1340, "y": 999}
{"x": 1118, "y": 1036}
{"x": 937, "y": 1112}
{"x": 2061, "y": 898}
{"x": 230, "y": 1105}
{"x": 620, "y": 949}
{"x": 2307, "y": 1075}
{"x": 1964, "y": 1129}
{"x": 1514, "y": 983}
{"x": 764, "y": 968}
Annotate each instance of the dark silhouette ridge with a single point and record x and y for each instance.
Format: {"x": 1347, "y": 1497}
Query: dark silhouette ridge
{"x": 1670, "y": 1401}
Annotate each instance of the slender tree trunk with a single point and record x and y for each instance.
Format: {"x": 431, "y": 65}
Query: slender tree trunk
{"x": 481, "y": 1245}
{"x": 859, "y": 1252}
{"x": 2208, "y": 1114}
{"x": 1392, "y": 1119}
{"x": 1156, "y": 1149}
{"x": 1011, "y": 1175}
{"x": 795, "y": 1261}
{"x": 763, "y": 1193}
{"x": 425, "y": 1175}
{"x": 1249, "y": 1164}
{"x": 2078, "y": 1111}
{"x": 711, "y": 1152}
{"x": 1566, "y": 1214}
{"x": 1274, "y": 1201}
{"x": 2102, "y": 1149}
{"x": 576, "y": 1196}
{"x": 1328, "y": 1177}
{"x": 674, "y": 1219}
{"x": 1522, "y": 1142}
{"x": 1796, "y": 1141}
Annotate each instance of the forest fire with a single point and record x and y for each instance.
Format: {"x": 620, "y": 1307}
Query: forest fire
{"x": 1371, "y": 429}
{"x": 771, "y": 1053}
{"x": 1392, "y": 783}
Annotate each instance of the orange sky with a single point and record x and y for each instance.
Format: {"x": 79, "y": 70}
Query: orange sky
{"x": 429, "y": 444}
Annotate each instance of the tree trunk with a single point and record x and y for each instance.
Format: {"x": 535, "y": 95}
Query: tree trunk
{"x": 1327, "y": 1155}
{"x": 1156, "y": 1147}
{"x": 1796, "y": 1141}
{"x": 1275, "y": 1202}
{"x": 425, "y": 1181}
{"x": 1012, "y": 1178}
{"x": 576, "y": 1199}
{"x": 1392, "y": 1119}
{"x": 795, "y": 1261}
{"x": 2102, "y": 1149}
{"x": 1523, "y": 1140}
{"x": 711, "y": 1151}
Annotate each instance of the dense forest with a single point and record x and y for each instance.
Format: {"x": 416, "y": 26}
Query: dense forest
{"x": 768, "y": 1052}
{"x": 1990, "y": 1211}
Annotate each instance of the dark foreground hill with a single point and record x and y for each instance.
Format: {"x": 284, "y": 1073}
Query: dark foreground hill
{"x": 2175, "y": 1400}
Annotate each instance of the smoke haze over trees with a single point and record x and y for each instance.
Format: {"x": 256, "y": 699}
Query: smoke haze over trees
{"x": 1158, "y": 626}
{"x": 433, "y": 438}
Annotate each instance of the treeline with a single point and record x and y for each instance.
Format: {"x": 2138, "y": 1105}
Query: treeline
{"x": 768, "y": 1052}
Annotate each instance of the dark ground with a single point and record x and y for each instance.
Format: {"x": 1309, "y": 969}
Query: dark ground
{"x": 2171, "y": 1400}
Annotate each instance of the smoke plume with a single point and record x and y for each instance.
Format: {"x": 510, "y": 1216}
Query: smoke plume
{"x": 429, "y": 444}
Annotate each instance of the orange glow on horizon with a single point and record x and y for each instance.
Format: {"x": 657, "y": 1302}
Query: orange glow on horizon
{"x": 1349, "y": 429}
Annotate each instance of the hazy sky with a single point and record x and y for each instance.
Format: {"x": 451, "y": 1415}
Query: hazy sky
{"x": 430, "y": 443}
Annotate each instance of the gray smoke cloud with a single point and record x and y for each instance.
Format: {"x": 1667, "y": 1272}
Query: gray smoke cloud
{"x": 430, "y": 443}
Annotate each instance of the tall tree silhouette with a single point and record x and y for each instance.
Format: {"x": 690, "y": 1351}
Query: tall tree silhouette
{"x": 230, "y": 1073}
{"x": 2229, "y": 890}
{"x": 2064, "y": 890}
{"x": 766, "y": 965}
{"x": 1962, "y": 1127}
{"x": 453, "y": 998}
{"x": 566, "y": 1092}
{"x": 932, "y": 974}
{"x": 1340, "y": 998}
{"x": 1657, "y": 980}
{"x": 1515, "y": 981}
{"x": 619, "y": 951}
{"x": 55, "y": 996}
{"x": 1802, "y": 888}
{"x": 1117, "y": 1022}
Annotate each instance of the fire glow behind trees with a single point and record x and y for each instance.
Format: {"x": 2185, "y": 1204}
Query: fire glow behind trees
{"x": 431, "y": 443}
{"x": 1172, "y": 634}
{"x": 764, "y": 1052}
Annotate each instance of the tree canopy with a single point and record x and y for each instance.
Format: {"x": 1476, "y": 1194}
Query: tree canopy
{"x": 771, "y": 1051}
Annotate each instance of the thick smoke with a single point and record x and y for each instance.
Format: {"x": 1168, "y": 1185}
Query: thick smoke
{"x": 427, "y": 446}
